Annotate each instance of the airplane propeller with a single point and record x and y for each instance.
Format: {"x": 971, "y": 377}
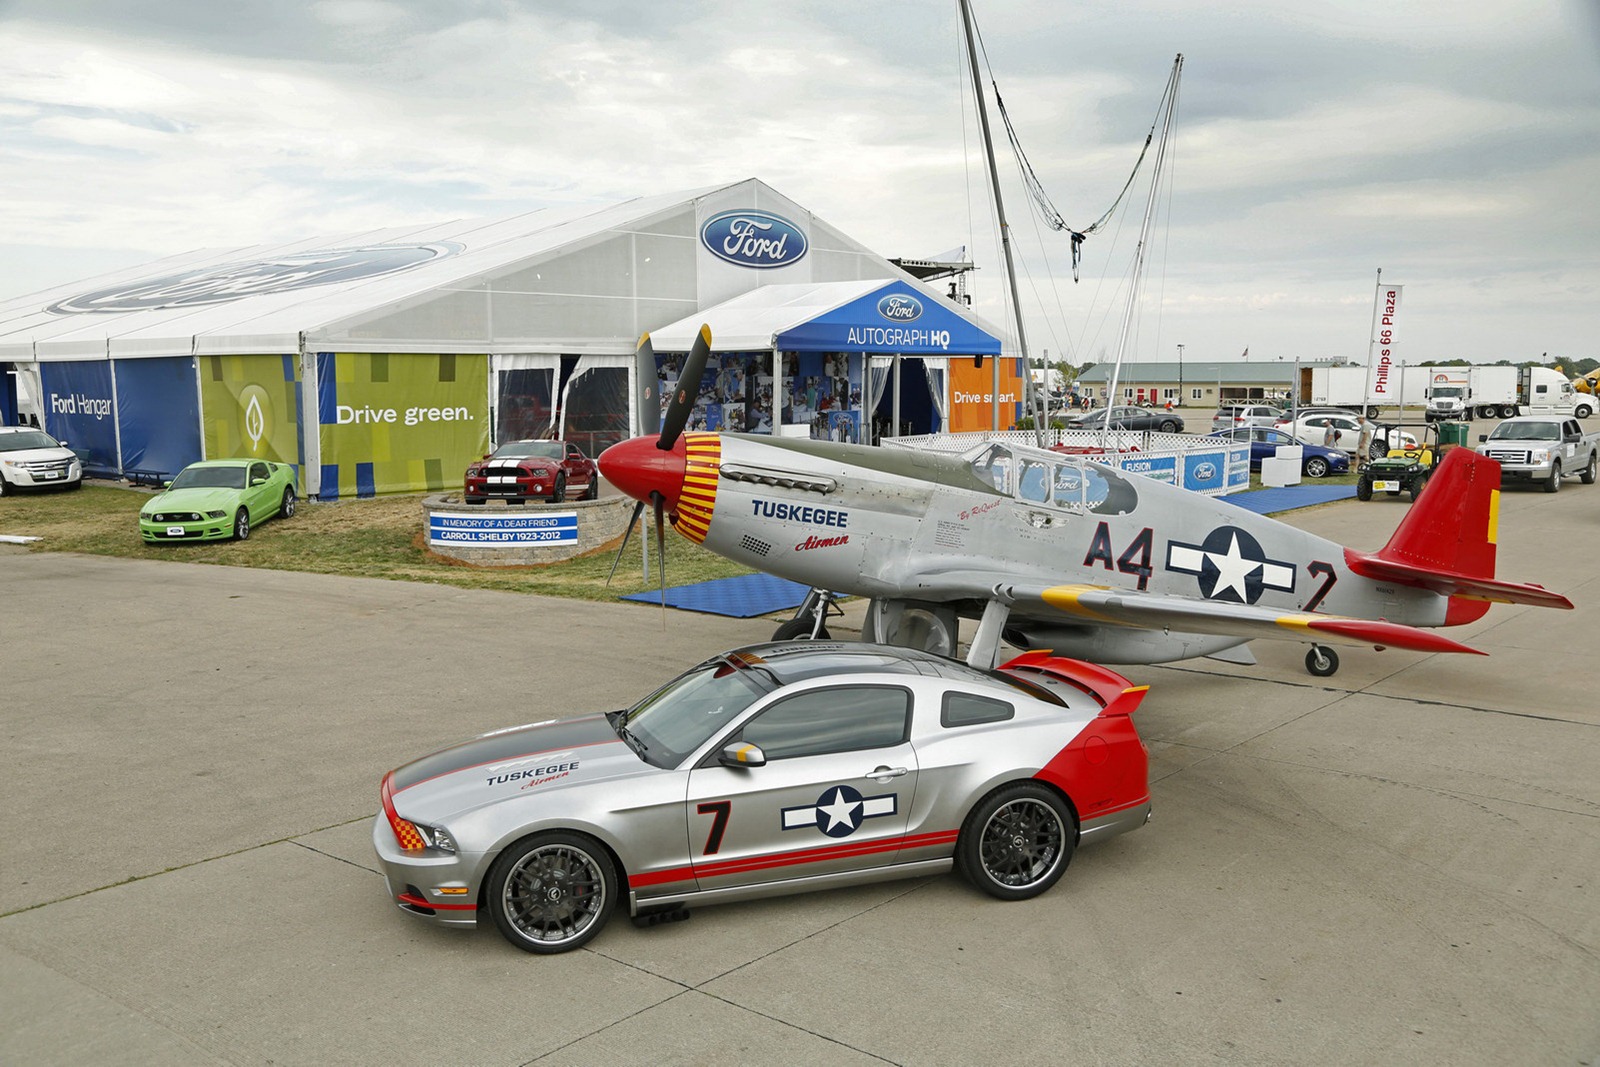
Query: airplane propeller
{"x": 672, "y": 425}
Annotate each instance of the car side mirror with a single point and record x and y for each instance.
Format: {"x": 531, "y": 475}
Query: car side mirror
{"x": 257, "y": 481}
{"x": 167, "y": 484}
{"x": 1482, "y": 437}
{"x": 742, "y": 754}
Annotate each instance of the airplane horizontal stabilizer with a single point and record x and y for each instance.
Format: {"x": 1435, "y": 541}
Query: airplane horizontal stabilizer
{"x": 1447, "y": 583}
{"x": 1093, "y": 603}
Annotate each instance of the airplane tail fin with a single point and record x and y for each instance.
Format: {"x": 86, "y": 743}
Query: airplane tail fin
{"x": 1446, "y": 543}
{"x": 1453, "y": 526}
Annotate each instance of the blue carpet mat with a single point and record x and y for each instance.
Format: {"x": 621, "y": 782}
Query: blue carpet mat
{"x": 1289, "y": 497}
{"x": 742, "y": 598}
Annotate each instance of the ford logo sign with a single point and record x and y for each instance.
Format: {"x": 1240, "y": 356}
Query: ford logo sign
{"x": 900, "y": 307}
{"x": 1205, "y": 472}
{"x": 756, "y": 239}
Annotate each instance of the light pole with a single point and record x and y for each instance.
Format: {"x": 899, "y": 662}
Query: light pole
{"x": 1180, "y": 375}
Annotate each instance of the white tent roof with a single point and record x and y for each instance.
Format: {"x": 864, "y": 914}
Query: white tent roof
{"x": 276, "y": 321}
{"x": 751, "y": 320}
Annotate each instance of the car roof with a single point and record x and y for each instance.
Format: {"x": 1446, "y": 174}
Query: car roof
{"x": 798, "y": 661}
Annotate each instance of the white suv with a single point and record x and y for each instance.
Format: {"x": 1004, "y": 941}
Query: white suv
{"x": 30, "y": 457}
{"x": 1229, "y": 416}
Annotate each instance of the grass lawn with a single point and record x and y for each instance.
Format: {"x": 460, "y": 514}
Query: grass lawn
{"x": 378, "y": 538}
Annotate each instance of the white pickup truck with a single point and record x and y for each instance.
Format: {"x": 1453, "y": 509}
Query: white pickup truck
{"x": 1542, "y": 448}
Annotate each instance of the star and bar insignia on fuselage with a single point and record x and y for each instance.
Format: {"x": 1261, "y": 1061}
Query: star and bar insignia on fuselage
{"x": 1231, "y": 565}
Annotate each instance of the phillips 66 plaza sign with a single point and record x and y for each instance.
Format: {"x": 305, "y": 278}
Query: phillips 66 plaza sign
{"x": 759, "y": 240}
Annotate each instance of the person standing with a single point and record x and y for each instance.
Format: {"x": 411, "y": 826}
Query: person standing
{"x": 1364, "y": 445}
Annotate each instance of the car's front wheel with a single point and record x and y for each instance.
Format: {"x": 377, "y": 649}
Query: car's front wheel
{"x": 593, "y": 492}
{"x": 1168, "y": 426}
{"x": 241, "y": 525}
{"x": 1316, "y": 467}
{"x": 1552, "y": 483}
{"x": 287, "y": 505}
{"x": 558, "y": 492}
{"x": 1363, "y": 488}
{"x": 1017, "y": 842}
{"x": 552, "y": 892}
{"x": 5, "y": 486}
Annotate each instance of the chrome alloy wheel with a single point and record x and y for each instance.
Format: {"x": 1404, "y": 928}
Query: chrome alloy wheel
{"x": 554, "y": 894}
{"x": 1022, "y": 842}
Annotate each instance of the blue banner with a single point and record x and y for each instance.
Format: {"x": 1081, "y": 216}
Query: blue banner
{"x": 158, "y": 414}
{"x": 8, "y": 395}
{"x": 79, "y": 410}
{"x": 894, "y": 318}
{"x": 499, "y": 528}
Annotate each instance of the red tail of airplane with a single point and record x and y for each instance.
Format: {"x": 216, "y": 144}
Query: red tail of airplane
{"x": 1446, "y": 543}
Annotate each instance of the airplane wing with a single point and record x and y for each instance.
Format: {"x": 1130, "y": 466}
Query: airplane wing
{"x": 1150, "y": 611}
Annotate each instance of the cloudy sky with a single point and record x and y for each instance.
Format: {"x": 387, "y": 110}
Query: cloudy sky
{"x": 1454, "y": 145}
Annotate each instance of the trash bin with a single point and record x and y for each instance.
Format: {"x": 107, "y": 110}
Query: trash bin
{"x": 1453, "y": 433}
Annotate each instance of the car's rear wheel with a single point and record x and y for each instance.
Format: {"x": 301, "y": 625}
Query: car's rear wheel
{"x": 1168, "y": 426}
{"x": 1508, "y": 411}
{"x": 241, "y": 525}
{"x": 552, "y": 892}
{"x": 1589, "y": 471}
{"x": 1017, "y": 841}
{"x": 1316, "y": 467}
{"x": 287, "y": 505}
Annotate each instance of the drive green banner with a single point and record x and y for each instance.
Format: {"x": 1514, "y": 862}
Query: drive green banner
{"x": 397, "y": 423}
{"x": 250, "y": 406}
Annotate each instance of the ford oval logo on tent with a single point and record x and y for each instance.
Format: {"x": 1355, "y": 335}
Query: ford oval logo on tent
{"x": 900, "y": 307}
{"x": 1205, "y": 471}
{"x": 756, "y": 239}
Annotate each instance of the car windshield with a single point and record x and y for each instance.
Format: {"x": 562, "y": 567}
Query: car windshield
{"x": 209, "y": 478}
{"x": 16, "y": 442}
{"x": 536, "y": 449}
{"x": 1526, "y": 431}
{"x": 669, "y": 724}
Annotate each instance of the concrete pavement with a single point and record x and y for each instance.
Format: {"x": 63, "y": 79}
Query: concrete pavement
{"x": 1401, "y": 863}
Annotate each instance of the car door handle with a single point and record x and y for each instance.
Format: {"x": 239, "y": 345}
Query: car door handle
{"x": 883, "y": 774}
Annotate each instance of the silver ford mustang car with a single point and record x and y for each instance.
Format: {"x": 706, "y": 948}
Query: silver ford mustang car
{"x": 777, "y": 768}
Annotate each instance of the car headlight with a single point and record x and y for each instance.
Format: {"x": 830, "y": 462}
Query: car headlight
{"x": 216, "y": 514}
{"x": 436, "y": 837}
{"x": 1540, "y": 454}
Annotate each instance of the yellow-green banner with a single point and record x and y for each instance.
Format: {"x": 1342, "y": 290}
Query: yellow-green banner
{"x": 399, "y": 422}
{"x": 250, "y": 407}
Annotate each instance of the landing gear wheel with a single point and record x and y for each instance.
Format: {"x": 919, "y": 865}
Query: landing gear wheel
{"x": 1364, "y": 488}
{"x": 552, "y": 892}
{"x": 1552, "y": 484}
{"x": 1588, "y": 475}
{"x": 799, "y": 630}
{"x": 241, "y": 525}
{"x": 1017, "y": 842}
{"x": 287, "y": 505}
{"x": 1316, "y": 467}
{"x": 1322, "y": 662}
{"x": 558, "y": 493}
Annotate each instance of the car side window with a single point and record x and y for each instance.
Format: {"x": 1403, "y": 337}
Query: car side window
{"x": 841, "y": 719}
{"x": 258, "y": 471}
{"x": 965, "y": 709}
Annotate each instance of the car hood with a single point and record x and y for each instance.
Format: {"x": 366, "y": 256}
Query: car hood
{"x": 537, "y": 758}
{"x": 192, "y": 500}
{"x": 39, "y": 455}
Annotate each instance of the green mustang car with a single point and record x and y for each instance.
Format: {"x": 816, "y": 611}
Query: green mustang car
{"x": 218, "y": 498}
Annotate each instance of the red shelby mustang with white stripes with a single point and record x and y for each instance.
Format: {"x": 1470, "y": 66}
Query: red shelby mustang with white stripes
{"x": 771, "y": 769}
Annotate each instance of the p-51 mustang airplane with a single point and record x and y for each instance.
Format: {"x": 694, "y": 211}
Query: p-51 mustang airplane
{"x": 1053, "y": 551}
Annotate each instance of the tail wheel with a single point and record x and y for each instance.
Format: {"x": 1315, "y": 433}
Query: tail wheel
{"x": 552, "y": 892}
{"x": 1017, "y": 842}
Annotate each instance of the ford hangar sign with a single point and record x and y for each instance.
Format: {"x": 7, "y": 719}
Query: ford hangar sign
{"x": 759, "y": 240}
{"x": 900, "y": 307}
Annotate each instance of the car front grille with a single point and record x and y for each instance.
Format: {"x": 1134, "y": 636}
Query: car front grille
{"x": 176, "y": 516}
{"x": 44, "y": 466}
{"x": 1507, "y": 455}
